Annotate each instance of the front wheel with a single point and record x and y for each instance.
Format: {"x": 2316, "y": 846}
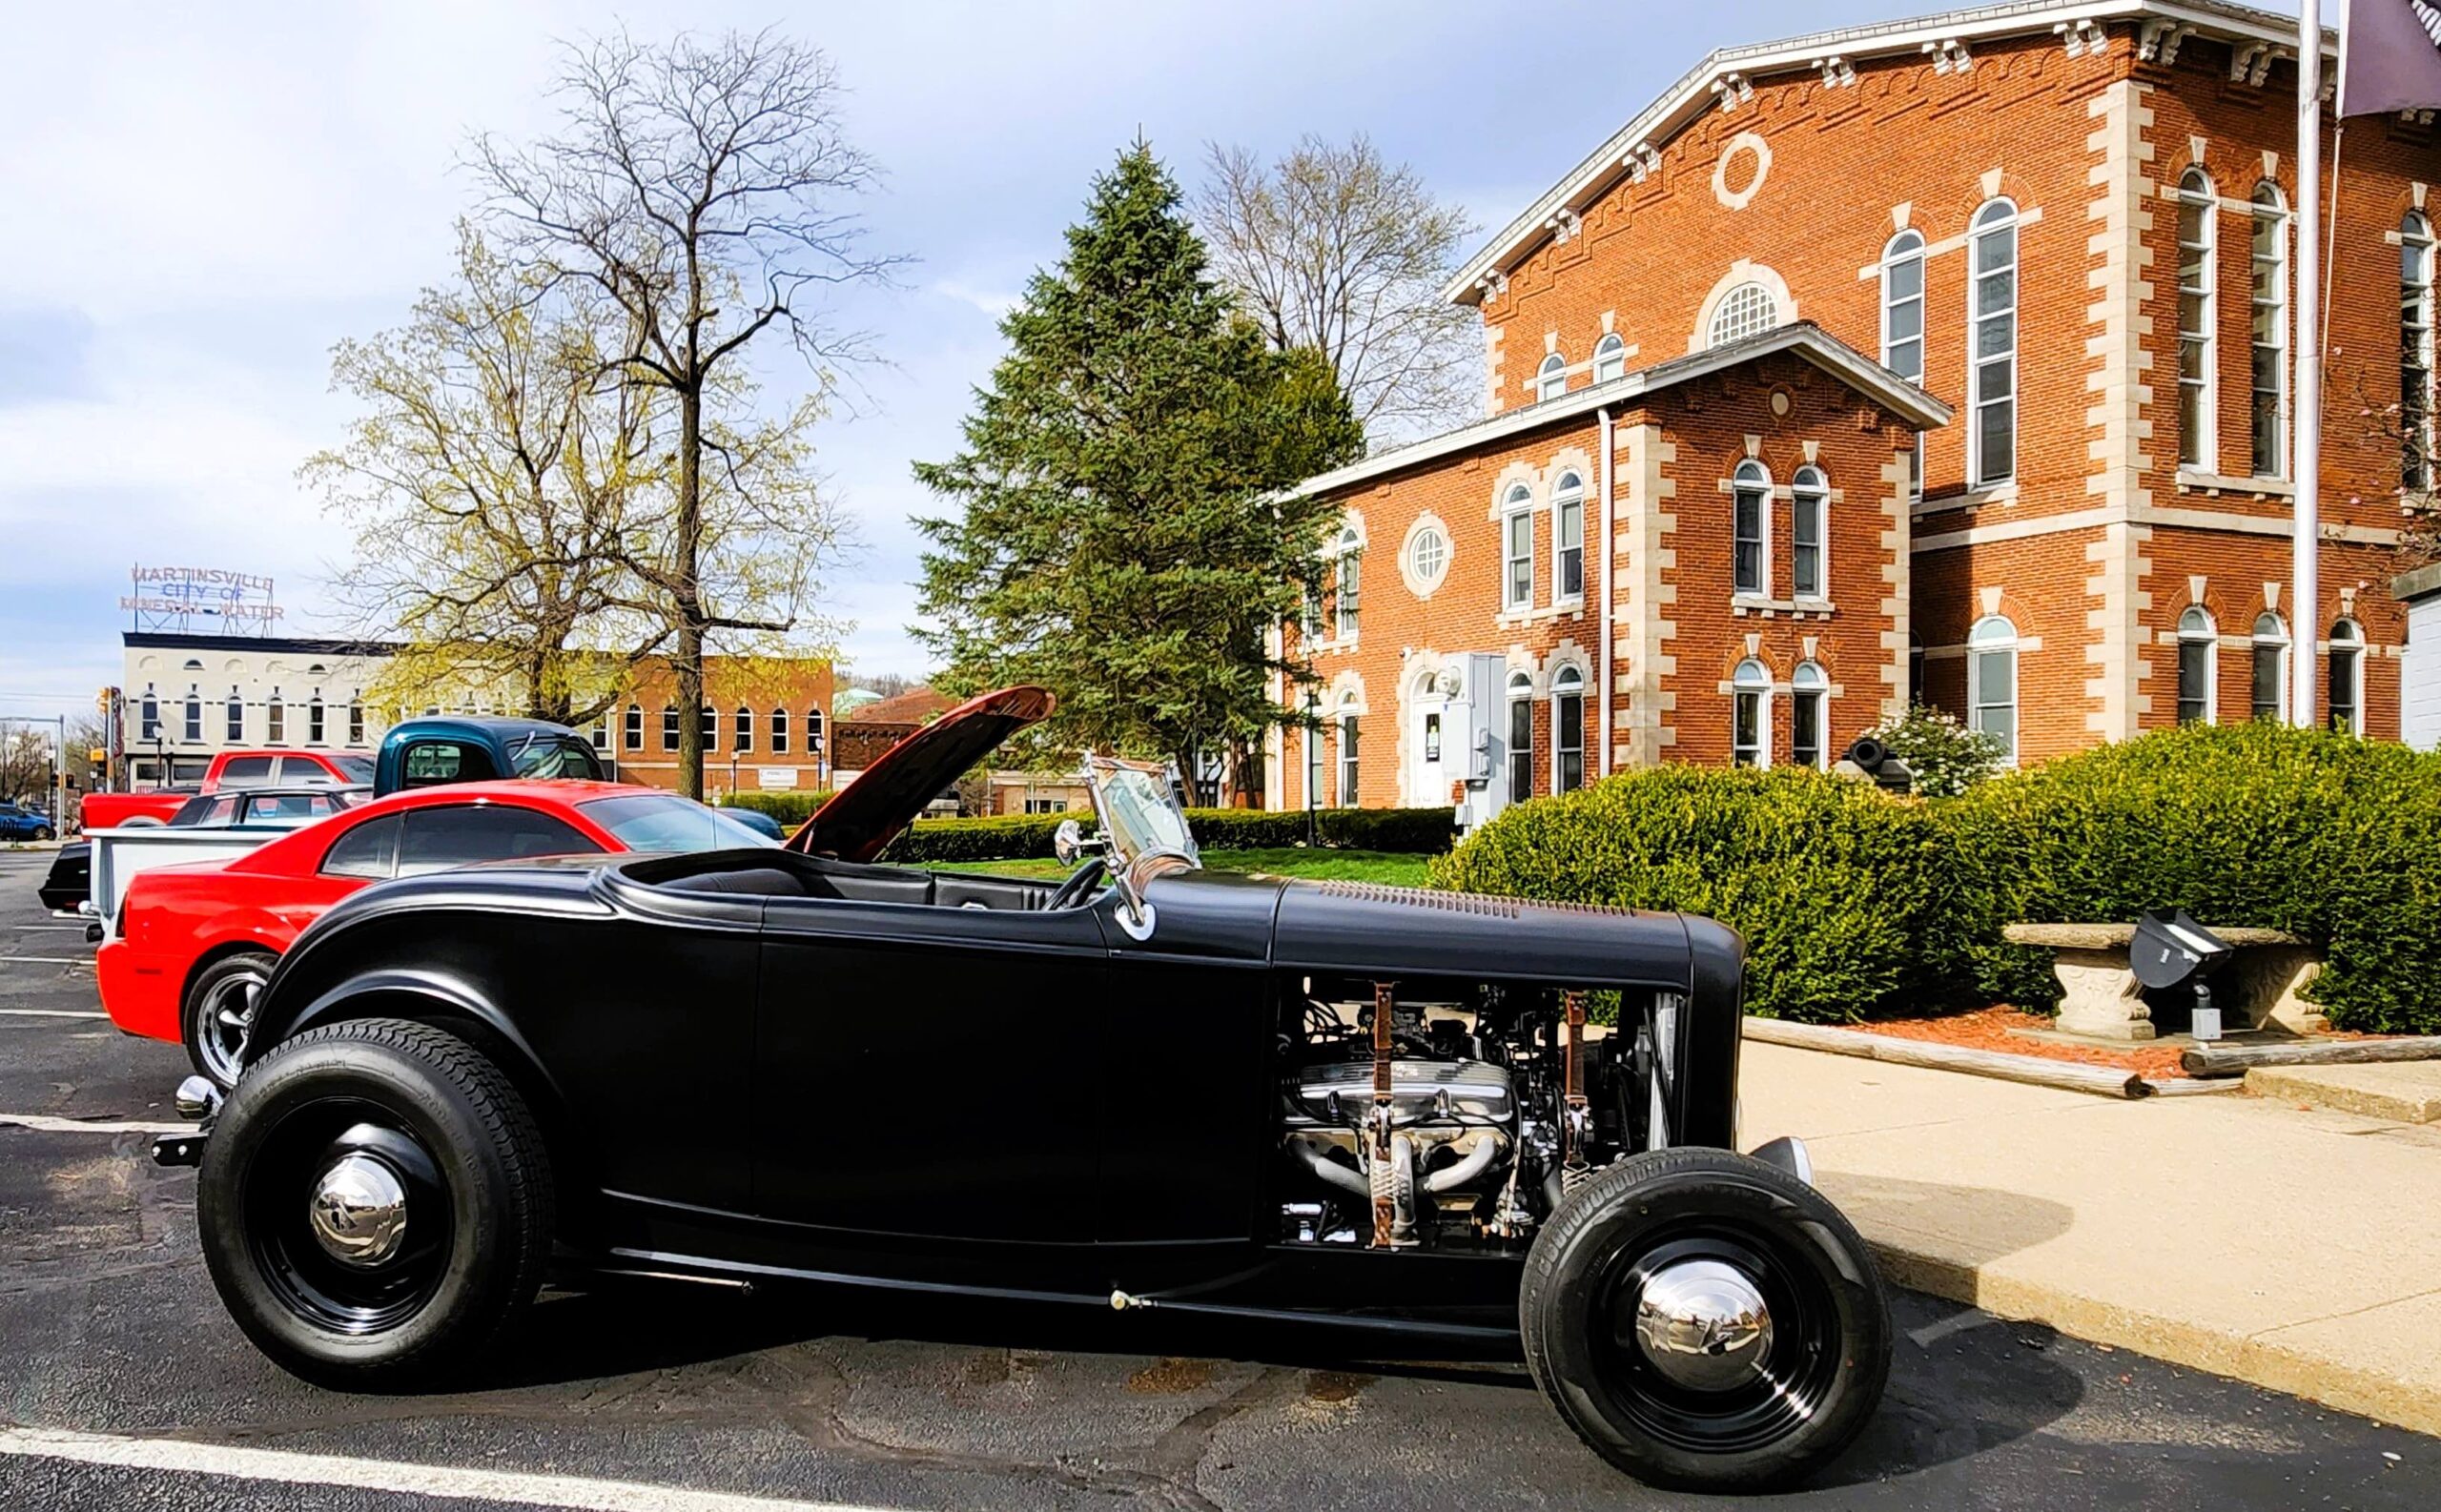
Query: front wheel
{"x": 219, "y": 1014}
{"x": 375, "y": 1204}
{"x": 1706, "y": 1321}
{"x": 42, "y": 832}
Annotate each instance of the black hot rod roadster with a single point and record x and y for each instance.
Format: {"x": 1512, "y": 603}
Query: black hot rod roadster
{"x": 1146, "y": 1085}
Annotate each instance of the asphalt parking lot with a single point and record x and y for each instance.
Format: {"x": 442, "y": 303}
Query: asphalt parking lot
{"x": 124, "y": 1385}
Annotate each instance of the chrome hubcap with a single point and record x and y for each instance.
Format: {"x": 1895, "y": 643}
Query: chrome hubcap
{"x": 359, "y": 1209}
{"x": 228, "y": 1018}
{"x": 1703, "y": 1325}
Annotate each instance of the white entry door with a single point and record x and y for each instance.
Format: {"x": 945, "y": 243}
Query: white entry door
{"x": 1430, "y": 754}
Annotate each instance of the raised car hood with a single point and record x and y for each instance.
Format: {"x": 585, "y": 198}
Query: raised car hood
{"x": 869, "y": 813}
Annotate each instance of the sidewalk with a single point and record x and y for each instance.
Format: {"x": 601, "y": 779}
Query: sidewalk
{"x": 2299, "y": 1251}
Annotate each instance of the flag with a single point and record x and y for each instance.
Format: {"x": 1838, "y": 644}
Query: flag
{"x": 2390, "y": 57}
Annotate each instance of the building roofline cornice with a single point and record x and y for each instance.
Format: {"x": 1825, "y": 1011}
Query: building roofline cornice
{"x": 1698, "y": 88}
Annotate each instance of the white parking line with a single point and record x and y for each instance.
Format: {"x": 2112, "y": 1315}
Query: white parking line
{"x": 49, "y": 960}
{"x": 520, "y": 1487}
{"x": 51, "y": 1013}
{"x": 46, "y": 1123}
{"x": 59, "y": 928}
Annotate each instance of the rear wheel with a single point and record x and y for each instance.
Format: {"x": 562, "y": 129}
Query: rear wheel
{"x": 221, "y": 1011}
{"x": 375, "y": 1204}
{"x": 1706, "y": 1321}
{"x": 42, "y": 832}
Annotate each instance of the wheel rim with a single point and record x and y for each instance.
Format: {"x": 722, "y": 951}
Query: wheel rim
{"x": 223, "y": 1018}
{"x": 348, "y": 1216}
{"x": 1722, "y": 1337}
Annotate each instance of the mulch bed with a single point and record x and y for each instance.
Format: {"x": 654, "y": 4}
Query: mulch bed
{"x": 1989, "y": 1028}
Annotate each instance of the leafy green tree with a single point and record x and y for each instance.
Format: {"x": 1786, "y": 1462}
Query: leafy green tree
{"x": 1127, "y": 535}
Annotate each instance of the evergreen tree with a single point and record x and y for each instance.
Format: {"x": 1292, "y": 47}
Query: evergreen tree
{"x": 1125, "y": 535}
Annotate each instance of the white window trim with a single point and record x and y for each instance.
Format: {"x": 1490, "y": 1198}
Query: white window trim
{"x": 2209, "y": 638}
{"x": 1520, "y": 690}
{"x": 2286, "y": 644}
{"x": 2354, "y": 641}
{"x": 2422, "y": 235}
{"x": 1818, "y": 490}
{"x": 2201, "y": 449}
{"x": 1559, "y": 496}
{"x": 1895, "y": 254}
{"x": 1612, "y": 351}
{"x": 1519, "y": 500}
{"x": 2275, "y": 210}
{"x": 1759, "y": 689}
{"x": 780, "y": 721}
{"x": 742, "y": 730}
{"x": 1762, "y": 586}
{"x": 1720, "y": 309}
{"x": 2007, "y": 646}
{"x": 1551, "y": 378}
{"x": 1570, "y": 681}
{"x": 1818, "y": 690}
{"x": 2014, "y": 223}
{"x": 1345, "y": 721}
{"x": 1344, "y": 622}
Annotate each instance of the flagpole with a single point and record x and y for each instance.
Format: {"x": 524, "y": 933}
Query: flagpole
{"x": 2305, "y": 590}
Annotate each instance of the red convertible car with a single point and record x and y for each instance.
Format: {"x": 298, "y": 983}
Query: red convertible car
{"x": 199, "y": 940}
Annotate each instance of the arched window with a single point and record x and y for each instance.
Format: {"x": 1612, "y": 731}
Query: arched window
{"x": 315, "y": 730}
{"x": 814, "y": 733}
{"x": 2199, "y": 645}
{"x": 1808, "y": 740}
{"x": 1314, "y": 764}
{"x": 356, "y": 720}
{"x": 670, "y": 727}
{"x": 632, "y": 730}
{"x": 1568, "y": 537}
{"x": 1915, "y": 668}
{"x": 2198, "y": 208}
{"x": 1903, "y": 319}
{"x": 235, "y": 721}
{"x": 712, "y": 730}
{"x": 1551, "y": 379}
{"x": 779, "y": 732}
{"x": 2347, "y": 677}
{"x": 1750, "y": 717}
{"x": 1745, "y": 311}
{"x": 1349, "y": 554}
{"x": 1568, "y": 730}
{"x": 2267, "y": 341}
{"x": 1992, "y": 347}
{"x": 148, "y": 722}
{"x": 274, "y": 721}
{"x": 1991, "y": 682}
{"x": 1810, "y": 533}
{"x": 1750, "y": 507}
{"x": 193, "y": 666}
{"x": 1610, "y": 358}
{"x": 1521, "y": 737}
{"x": 193, "y": 714}
{"x": 2416, "y": 351}
{"x": 2271, "y": 699}
{"x": 1517, "y": 548}
{"x": 1348, "y": 788}
{"x": 742, "y": 734}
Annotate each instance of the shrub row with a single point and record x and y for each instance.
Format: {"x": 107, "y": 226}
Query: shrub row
{"x": 1854, "y": 903}
{"x": 790, "y": 806}
{"x": 1414, "y": 831}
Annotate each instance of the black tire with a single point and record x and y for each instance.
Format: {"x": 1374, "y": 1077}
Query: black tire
{"x": 1817, "y": 1374}
{"x": 218, "y": 1009}
{"x": 42, "y": 832}
{"x": 444, "y": 1121}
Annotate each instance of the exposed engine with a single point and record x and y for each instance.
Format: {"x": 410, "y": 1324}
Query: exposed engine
{"x": 1453, "y": 1114}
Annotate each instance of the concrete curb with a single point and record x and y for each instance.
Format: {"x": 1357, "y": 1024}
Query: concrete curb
{"x": 2299, "y": 1373}
{"x": 2039, "y": 1070}
{"x": 2334, "y": 1087}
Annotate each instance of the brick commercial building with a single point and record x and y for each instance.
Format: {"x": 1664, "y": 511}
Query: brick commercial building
{"x": 2068, "y": 223}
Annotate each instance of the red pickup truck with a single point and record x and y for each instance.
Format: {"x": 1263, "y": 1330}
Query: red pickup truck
{"x": 231, "y": 769}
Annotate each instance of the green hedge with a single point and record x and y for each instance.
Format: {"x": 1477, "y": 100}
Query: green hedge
{"x": 2330, "y": 837}
{"x": 787, "y": 805}
{"x": 1834, "y": 885}
{"x": 1854, "y": 903}
{"x": 1414, "y": 831}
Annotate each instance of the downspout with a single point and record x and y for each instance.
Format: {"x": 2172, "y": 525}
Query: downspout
{"x": 1601, "y": 659}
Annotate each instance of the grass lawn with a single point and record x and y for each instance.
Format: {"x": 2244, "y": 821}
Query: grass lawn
{"x": 1340, "y": 865}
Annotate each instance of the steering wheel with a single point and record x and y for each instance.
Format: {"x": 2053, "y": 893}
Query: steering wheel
{"x": 1078, "y": 883}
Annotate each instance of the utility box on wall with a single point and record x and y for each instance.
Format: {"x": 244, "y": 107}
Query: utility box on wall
{"x": 2420, "y": 671}
{"x": 1486, "y": 738}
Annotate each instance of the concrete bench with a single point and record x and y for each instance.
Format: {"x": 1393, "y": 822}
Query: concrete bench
{"x": 2259, "y": 988}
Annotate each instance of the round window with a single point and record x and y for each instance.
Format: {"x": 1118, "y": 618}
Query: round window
{"x": 1428, "y": 554}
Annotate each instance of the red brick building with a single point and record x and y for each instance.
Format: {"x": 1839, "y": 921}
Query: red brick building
{"x": 2071, "y": 225}
{"x": 766, "y": 725}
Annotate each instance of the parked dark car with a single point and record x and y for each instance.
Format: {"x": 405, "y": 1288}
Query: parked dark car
{"x": 1144, "y": 1087}
{"x": 17, "y": 822}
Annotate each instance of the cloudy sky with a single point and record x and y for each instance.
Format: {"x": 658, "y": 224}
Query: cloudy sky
{"x": 203, "y": 199}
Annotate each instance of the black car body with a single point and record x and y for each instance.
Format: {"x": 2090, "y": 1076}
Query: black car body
{"x": 1373, "y": 1107}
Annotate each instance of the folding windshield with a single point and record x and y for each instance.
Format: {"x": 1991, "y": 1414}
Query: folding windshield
{"x": 664, "y": 821}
